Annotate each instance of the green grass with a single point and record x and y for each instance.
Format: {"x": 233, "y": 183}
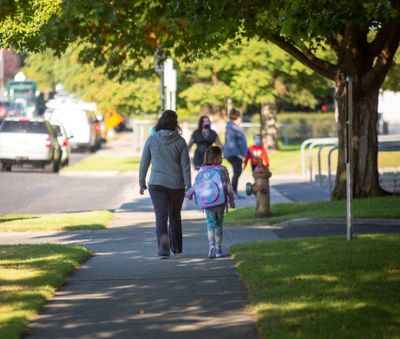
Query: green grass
{"x": 29, "y": 275}
{"x": 288, "y": 160}
{"x": 382, "y": 207}
{"x": 94, "y": 163}
{"x": 55, "y": 222}
{"x": 324, "y": 287}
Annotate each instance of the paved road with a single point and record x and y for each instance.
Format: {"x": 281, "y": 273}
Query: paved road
{"x": 32, "y": 191}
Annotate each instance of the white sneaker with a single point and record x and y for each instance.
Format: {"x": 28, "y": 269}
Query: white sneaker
{"x": 211, "y": 253}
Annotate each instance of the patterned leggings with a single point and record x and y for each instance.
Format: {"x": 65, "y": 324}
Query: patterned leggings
{"x": 214, "y": 228}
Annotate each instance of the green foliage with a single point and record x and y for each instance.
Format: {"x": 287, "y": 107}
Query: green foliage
{"x": 392, "y": 81}
{"x": 251, "y": 73}
{"x": 134, "y": 96}
{"x": 55, "y": 222}
{"x": 95, "y": 163}
{"x": 383, "y": 207}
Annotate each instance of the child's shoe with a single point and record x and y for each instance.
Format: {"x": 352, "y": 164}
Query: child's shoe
{"x": 219, "y": 253}
{"x": 211, "y": 252}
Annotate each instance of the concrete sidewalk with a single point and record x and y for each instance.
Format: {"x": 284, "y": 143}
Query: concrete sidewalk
{"x": 125, "y": 291}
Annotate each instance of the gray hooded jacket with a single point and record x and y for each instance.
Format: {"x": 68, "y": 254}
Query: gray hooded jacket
{"x": 169, "y": 157}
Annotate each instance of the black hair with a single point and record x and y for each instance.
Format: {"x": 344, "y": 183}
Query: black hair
{"x": 212, "y": 154}
{"x": 169, "y": 121}
{"x": 234, "y": 114}
{"x": 201, "y": 122}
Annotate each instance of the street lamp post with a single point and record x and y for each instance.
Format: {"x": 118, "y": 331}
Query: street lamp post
{"x": 349, "y": 155}
{"x": 159, "y": 68}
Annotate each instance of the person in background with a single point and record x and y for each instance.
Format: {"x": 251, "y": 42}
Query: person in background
{"x": 256, "y": 153}
{"x": 215, "y": 215}
{"x": 203, "y": 137}
{"x": 235, "y": 148}
{"x": 170, "y": 177}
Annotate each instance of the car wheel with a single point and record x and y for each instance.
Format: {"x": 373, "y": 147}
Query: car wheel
{"x": 56, "y": 167}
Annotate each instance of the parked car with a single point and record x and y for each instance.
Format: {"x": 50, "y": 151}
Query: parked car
{"x": 81, "y": 126}
{"x": 25, "y": 141}
{"x": 63, "y": 141}
{"x": 11, "y": 109}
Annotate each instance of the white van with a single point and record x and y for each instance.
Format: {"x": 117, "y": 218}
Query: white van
{"x": 82, "y": 126}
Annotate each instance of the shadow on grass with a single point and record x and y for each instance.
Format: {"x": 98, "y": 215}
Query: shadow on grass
{"x": 46, "y": 267}
{"x": 315, "y": 288}
{"x": 5, "y": 218}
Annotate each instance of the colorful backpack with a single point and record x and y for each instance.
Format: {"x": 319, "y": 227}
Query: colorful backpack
{"x": 209, "y": 187}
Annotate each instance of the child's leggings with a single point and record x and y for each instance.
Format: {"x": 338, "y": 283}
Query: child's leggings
{"x": 214, "y": 227}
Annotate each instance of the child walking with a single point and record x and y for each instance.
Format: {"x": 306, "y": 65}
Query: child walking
{"x": 257, "y": 154}
{"x": 215, "y": 214}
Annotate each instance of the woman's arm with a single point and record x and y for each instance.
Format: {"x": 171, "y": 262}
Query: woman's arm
{"x": 144, "y": 166}
{"x": 241, "y": 143}
{"x": 185, "y": 165}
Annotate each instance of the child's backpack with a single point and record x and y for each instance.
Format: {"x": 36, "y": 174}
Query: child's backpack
{"x": 209, "y": 187}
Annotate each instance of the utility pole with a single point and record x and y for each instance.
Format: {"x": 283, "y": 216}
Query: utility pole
{"x": 170, "y": 84}
{"x": 159, "y": 68}
{"x": 349, "y": 155}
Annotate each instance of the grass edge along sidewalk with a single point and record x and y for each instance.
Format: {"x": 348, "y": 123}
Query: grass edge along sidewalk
{"x": 29, "y": 276}
{"x": 55, "y": 222}
{"x": 97, "y": 163}
{"x": 324, "y": 287}
{"x": 379, "y": 208}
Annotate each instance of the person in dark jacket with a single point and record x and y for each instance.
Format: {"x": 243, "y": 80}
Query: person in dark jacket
{"x": 167, "y": 152}
{"x": 235, "y": 148}
{"x": 203, "y": 137}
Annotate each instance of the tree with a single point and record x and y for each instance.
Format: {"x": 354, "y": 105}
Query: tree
{"x": 252, "y": 73}
{"x": 139, "y": 95}
{"x": 361, "y": 36}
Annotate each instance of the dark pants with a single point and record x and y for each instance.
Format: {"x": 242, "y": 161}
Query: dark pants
{"x": 236, "y": 163}
{"x": 167, "y": 204}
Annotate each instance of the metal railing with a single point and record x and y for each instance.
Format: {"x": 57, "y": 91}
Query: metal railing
{"x": 386, "y": 143}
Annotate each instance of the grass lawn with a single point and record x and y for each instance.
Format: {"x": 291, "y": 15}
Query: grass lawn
{"x": 382, "y": 207}
{"x": 288, "y": 161}
{"x": 29, "y": 275}
{"x": 55, "y": 222}
{"x": 324, "y": 287}
{"x": 94, "y": 163}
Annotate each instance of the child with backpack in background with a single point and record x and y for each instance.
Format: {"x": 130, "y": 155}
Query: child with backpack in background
{"x": 257, "y": 154}
{"x": 213, "y": 191}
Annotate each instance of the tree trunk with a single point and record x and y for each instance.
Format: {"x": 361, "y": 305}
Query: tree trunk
{"x": 364, "y": 144}
{"x": 269, "y": 127}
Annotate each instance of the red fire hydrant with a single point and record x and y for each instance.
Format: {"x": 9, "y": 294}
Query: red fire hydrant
{"x": 260, "y": 189}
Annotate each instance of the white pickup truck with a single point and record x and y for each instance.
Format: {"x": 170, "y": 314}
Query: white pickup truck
{"x": 31, "y": 142}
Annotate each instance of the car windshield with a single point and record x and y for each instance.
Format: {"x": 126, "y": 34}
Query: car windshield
{"x": 24, "y": 127}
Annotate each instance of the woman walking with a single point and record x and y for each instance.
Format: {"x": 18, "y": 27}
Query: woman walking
{"x": 203, "y": 137}
{"x": 235, "y": 148}
{"x": 168, "y": 155}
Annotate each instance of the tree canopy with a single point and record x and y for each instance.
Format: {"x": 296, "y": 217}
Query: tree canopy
{"x": 335, "y": 38}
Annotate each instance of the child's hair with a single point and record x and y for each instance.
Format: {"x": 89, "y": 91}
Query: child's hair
{"x": 211, "y": 155}
{"x": 234, "y": 114}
